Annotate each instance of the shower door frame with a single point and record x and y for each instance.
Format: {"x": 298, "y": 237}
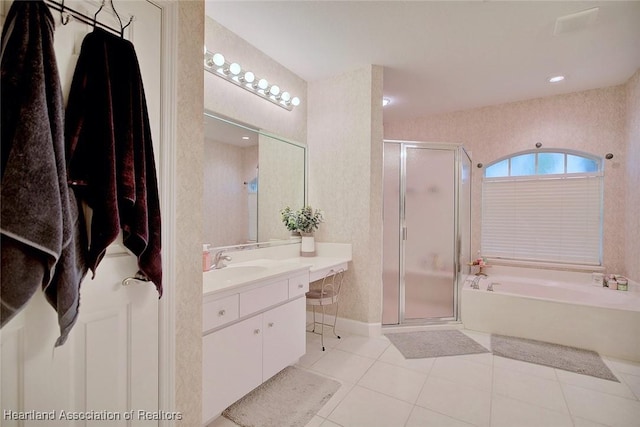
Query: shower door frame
{"x": 459, "y": 151}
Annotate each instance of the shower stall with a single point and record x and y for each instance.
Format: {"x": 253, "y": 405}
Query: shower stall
{"x": 426, "y": 231}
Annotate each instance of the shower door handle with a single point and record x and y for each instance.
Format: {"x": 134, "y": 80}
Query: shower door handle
{"x": 404, "y": 233}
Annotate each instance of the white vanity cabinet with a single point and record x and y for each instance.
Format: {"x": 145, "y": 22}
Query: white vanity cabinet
{"x": 250, "y": 334}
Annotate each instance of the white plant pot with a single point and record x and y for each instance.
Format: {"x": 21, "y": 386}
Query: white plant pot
{"x": 308, "y": 245}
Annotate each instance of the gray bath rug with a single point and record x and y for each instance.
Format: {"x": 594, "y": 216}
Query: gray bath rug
{"x": 419, "y": 345}
{"x": 289, "y": 399}
{"x": 585, "y": 362}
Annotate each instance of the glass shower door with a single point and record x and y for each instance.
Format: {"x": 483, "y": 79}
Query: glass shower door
{"x": 429, "y": 233}
{"x": 391, "y": 236}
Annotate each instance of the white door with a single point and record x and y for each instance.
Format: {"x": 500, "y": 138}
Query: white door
{"x": 109, "y": 365}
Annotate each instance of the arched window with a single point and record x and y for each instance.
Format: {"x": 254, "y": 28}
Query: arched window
{"x": 543, "y": 205}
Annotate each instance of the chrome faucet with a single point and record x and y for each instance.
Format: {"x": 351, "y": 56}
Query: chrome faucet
{"x": 491, "y": 285}
{"x": 218, "y": 260}
{"x": 475, "y": 283}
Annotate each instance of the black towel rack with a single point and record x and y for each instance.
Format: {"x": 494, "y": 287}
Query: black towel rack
{"x": 62, "y": 8}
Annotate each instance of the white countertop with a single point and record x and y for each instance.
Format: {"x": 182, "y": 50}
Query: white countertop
{"x": 250, "y": 269}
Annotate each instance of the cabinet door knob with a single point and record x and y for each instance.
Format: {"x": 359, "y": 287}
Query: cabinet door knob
{"x": 300, "y": 286}
{"x": 271, "y": 324}
{"x": 256, "y": 331}
{"x": 222, "y": 312}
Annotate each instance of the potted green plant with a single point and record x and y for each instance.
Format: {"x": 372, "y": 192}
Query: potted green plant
{"x": 306, "y": 222}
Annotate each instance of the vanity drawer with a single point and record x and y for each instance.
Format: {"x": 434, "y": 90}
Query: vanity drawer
{"x": 221, "y": 311}
{"x": 263, "y": 297}
{"x": 298, "y": 285}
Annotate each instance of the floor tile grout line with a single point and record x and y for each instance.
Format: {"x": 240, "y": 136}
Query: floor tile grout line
{"x": 437, "y": 411}
{"x": 622, "y": 375}
{"x": 564, "y": 396}
{"x": 493, "y": 379}
{"x": 635, "y": 399}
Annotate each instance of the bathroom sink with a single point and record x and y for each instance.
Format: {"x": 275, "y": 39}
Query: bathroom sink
{"x": 236, "y": 271}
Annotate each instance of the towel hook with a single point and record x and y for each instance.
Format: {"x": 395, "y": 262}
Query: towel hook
{"x": 123, "y": 28}
{"x": 95, "y": 17}
{"x": 115, "y": 12}
{"x": 117, "y": 16}
{"x": 64, "y": 19}
{"x": 120, "y": 20}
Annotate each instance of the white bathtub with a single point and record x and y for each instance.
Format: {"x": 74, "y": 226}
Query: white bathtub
{"x": 558, "y": 307}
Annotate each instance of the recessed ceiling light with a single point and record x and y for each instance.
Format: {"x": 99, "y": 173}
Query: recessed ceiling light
{"x": 556, "y": 79}
{"x": 385, "y": 102}
{"x": 245, "y": 137}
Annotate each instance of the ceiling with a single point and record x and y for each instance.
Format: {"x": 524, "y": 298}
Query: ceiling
{"x": 442, "y": 56}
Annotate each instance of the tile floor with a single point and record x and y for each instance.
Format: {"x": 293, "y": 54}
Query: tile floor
{"x": 382, "y": 388}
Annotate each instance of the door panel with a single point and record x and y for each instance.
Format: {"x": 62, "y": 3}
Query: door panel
{"x": 231, "y": 365}
{"x": 390, "y": 236}
{"x": 421, "y": 232}
{"x": 110, "y": 361}
{"x": 284, "y": 337}
{"x": 429, "y": 244}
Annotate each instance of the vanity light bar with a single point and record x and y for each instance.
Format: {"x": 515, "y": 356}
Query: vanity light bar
{"x": 215, "y": 63}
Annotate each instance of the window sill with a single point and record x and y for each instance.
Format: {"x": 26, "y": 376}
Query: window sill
{"x": 546, "y": 265}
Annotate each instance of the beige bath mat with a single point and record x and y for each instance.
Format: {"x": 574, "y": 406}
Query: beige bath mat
{"x": 418, "y": 345}
{"x": 585, "y": 362}
{"x": 291, "y": 398}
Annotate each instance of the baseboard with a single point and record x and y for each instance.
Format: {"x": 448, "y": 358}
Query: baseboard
{"x": 349, "y": 326}
{"x": 418, "y": 328}
{"x": 356, "y": 327}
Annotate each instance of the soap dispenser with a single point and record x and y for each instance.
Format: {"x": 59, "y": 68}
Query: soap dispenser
{"x": 206, "y": 257}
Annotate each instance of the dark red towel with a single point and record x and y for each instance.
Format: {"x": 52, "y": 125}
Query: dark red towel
{"x": 110, "y": 152}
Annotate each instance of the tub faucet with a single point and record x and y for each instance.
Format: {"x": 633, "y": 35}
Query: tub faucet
{"x": 475, "y": 283}
{"x": 491, "y": 285}
{"x": 218, "y": 260}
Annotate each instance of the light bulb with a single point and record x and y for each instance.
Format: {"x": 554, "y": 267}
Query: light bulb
{"x": 286, "y": 96}
{"x": 263, "y": 84}
{"x": 249, "y": 77}
{"x": 235, "y": 68}
{"x": 275, "y": 90}
{"x": 295, "y": 101}
{"x": 385, "y": 102}
{"x": 218, "y": 59}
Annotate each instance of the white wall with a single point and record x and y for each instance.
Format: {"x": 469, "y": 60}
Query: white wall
{"x": 344, "y": 136}
{"x": 591, "y": 121}
{"x": 225, "y": 98}
{"x": 187, "y": 295}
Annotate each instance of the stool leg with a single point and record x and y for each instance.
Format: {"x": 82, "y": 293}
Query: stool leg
{"x": 335, "y": 319}
{"x": 314, "y": 319}
{"x": 322, "y": 326}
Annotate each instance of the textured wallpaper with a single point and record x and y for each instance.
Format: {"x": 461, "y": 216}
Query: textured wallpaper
{"x": 632, "y": 223}
{"x": 591, "y": 121}
{"x": 190, "y": 140}
{"x": 229, "y": 100}
{"x": 345, "y": 179}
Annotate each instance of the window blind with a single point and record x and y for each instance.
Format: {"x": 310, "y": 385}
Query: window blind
{"x": 543, "y": 219}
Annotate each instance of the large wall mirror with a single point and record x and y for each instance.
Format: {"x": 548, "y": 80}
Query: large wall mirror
{"x": 249, "y": 177}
